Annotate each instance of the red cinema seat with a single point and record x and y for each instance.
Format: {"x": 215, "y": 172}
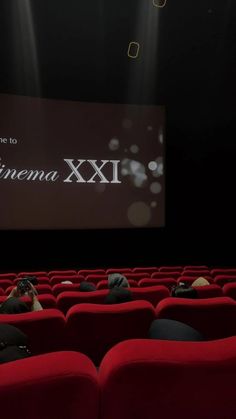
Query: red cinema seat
{"x": 224, "y": 279}
{"x": 41, "y": 280}
{"x": 41, "y": 289}
{"x": 209, "y": 291}
{"x": 229, "y": 290}
{"x": 104, "y": 284}
{"x": 5, "y": 283}
{"x": 2, "y": 292}
{"x": 50, "y": 386}
{"x": 161, "y": 379}
{"x": 86, "y": 272}
{"x": 174, "y": 275}
{"x": 95, "y": 279}
{"x": 59, "y": 288}
{"x": 47, "y": 301}
{"x": 93, "y": 329}
{"x": 58, "y": 279}
{"x": 32, "y": 273}
{"x": 195, "y": 267}
{"x": 170, "y": 269}
{"x": 196, "y": 273}
{"x": 215, "y": 318}
{"x": 68, "y": 272}
{"x": 118, "y": 270}
{"x": 45, "y": 329}
{"x": 223, "y": 271}
{"x": 137, "y": 276}
{"x": 66, "y": 300}
{"x": 150, "y": 282}
{"x": 150, "y": 270}
{"x": 9, "y": 276}
{"x": 151, "y": 294}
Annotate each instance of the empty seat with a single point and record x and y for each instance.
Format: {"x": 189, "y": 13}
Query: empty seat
{"x": 9, "y": 276}
{"x": 156, "y": 379}
{"x": 5, "y": 283}
{"x": 224, "y": 279}
{"x": 229, "y": 290}
{"x": 68, "y": 299}
{"x": 50, "y": 386}
{"x": 151, "y": 294}
{"x": 150, "y": 282}
{"x": 86, "y": 272}
{"x": 209, "y": 291}
{"x": 93, "y": 329}
{"x": 68, "y": 272}
{"x": 215, "y": 317}
{"x": 223, "y": 271}
{"x": 174, "y": 275}
{"x": 32, "y": 273}
{"x": 47, "y": 301}
{"x": 45, "y": 329}
{"x": 170, "y": 269}
{"x": 118, "y": 270}
{"x": 195, "y": 267}
{"x": 197, "y": 273}
{"x": 137, "y": 276}
{"x": 149, "y": 269}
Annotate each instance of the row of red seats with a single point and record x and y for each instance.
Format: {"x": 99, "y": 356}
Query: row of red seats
{"x": 94, "y": 328}
{"x": 101, "y": 280}
{"x": 147, "y": 270}
{"x": 137, "y": 379}
{"x": 63, "y": 296}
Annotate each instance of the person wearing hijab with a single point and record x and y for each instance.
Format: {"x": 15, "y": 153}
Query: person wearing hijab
{"x": 117, "y": 280}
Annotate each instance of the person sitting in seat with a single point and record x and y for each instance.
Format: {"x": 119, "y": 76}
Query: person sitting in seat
{"x": 13, "y": 344}
{"x": 117, "y": 280}
{"x": 167, "y": 329}
{"x": 13, "y": 304}
{"x": 184, "y": 291}
{"x": 87, "y": 286}
{"x": 200, "y": 282}
{"x": 118, "y": 295}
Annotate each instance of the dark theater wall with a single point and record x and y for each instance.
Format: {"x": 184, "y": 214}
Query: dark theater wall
{"x": 186, "y": 62}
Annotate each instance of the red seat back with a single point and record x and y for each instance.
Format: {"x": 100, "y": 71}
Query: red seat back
{"x": 93, "y": 329}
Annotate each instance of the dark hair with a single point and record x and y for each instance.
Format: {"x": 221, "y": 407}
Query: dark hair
{"x": 13, "y": 344}
{"x": 183, "y": 291}
{"x": 118, "y": 295}
{"x": 87, "y": 286}
{"x": 13, "y": 306}
{"x": 167, "y": 329}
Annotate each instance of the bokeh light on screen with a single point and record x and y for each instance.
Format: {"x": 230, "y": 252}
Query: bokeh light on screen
{"x": 139, "y": 214}
{"x": 134, "y": 149}
{"x": 152, "y": 165}
{"x": 114, "y": 144}
{"x": 155, "y": 187}
{"x": 153, "y": 204}
{"x": 136, "y": 172}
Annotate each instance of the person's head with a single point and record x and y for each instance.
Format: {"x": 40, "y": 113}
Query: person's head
{"x": 167, "y": 329}
{"x": 13, "y": 306}
{"x": 87, "y": 286}
{"x": 118, "y": 295}
{"x": 200, "y": 282}
{"x": 184, "y": 292}
{"x": 13, "y": 344}
{"x": 117, "y": 280}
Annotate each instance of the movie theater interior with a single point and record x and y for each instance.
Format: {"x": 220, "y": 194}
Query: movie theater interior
{"x": 117, "y": 209}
